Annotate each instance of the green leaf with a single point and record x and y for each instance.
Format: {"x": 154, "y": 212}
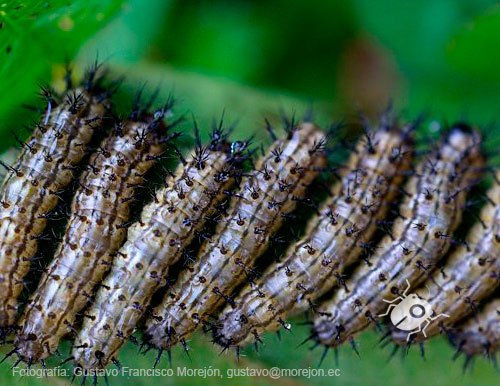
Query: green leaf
{"x": 129, "y": 37}
{"x": 474, "y": 51}
{"x": 208, "y": 97}
{"x": 37, "y": 37}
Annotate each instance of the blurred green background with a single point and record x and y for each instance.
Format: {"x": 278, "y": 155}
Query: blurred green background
{"x": 256, "y": 59}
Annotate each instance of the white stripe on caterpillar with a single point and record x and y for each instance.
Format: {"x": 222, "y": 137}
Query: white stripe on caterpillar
{"x": 158, "y": 240}
{"x": 471, "y": 274}
{"x": 95, "y": 231}
{"x": 480, "y": 335}
{"x": 254, "y": 215}
{"x": 429, "y": 214}
{"x": 30, "y": 191}
{"x": 333, "y": 240}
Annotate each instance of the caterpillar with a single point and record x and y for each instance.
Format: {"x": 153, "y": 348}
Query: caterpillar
{"x": 96, "y": 229}
{"x": 480, "y": 335}
{"x": 334, "y": 238}
{"x": 429, "y": 213}
{"x": 9, "y": 156}
{"x": 45, "y": 165}
{"x": 166, "y": 228}
{"x": 470, "y": 275}
{"x": 256, "y": 212}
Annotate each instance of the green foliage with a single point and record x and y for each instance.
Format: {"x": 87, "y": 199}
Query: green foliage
{"x": 36, "y": 37}
{"x": 254, "y": 59}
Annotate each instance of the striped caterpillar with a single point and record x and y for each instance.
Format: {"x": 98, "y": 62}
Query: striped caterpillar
{"x": 257, "y": 211}
{"x": 480, "y": 335}
{"x": 159, "y": 239}
{"x": 95, "y": 231}
{"x": 30, "y": 190}
{"x": 429, "y": 214}
{"x": 470, "y": 275}
{"x": 334, "y": 239}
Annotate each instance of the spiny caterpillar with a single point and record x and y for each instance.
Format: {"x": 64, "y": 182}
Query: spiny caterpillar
{"x": 96, "y": 229}
{"x": 334, "y": 238}
{"x": 44, "y": 167}
{"x": 257, "y": 211}
{"x": 167, "y": 227}
{"x": 8, "y": 157}
{"x": 480, "y": 335}
{"x": 420, "y": 236}
{"x": 470, "y": 275}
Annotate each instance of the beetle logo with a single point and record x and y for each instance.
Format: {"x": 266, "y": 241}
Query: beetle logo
{"x": 411, "y": 313}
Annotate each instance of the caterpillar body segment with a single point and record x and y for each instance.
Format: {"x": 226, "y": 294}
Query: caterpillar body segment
{"x": 29, "y": 191}
{"x": 96, "y": 229}
{"x": 280, "y": 178}
{"x": 470, "y": 275}
{"x": 166, "y": 228}
{"x": 419, "y": 238}
{"x": 334, "y": 239}
{"x": 480, "y": 334}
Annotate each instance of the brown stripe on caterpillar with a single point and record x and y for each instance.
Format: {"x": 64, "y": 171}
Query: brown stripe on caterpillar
{"x": 167, "y": 227}
{"x": 95, "y": 231}
{"x": 30, "y": 190}
{"x": 333, "y": 240}
{"x": 480, "y": 334}
{"x": 429, "y": 213}
{"x": 471, "y": 273}
{"x": 256, "y": 212}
